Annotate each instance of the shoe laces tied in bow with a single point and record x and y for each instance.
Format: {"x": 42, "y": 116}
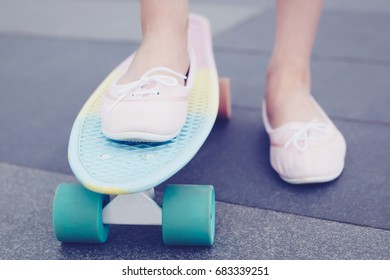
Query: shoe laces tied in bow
{"x": 302, "y": 137}
{"x": 147, "y": 78}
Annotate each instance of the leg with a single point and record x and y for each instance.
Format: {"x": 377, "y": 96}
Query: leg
{"x": 288, "y": 81}
{"x": 154, "y": 109}
{"x": 164, "y": 43}
{"x": 307, "y": 147}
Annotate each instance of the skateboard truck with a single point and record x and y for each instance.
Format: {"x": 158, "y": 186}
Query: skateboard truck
{"x": 133, "y": 209}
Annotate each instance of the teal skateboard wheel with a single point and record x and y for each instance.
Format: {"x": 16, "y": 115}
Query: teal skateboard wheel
{"x": 188, "y": 215}
{"x": 77, "y": 214}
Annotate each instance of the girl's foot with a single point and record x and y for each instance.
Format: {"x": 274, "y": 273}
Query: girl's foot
{"x": 288, "y": 96}
{"x": 167, "y": 49}
{"x": 148, "y": 102}
{"x": 306, "y": 147}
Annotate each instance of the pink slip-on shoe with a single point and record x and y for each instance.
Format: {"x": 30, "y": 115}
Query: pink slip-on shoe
{"x": 151, "y": 109}
{"x": 302, "y": 153}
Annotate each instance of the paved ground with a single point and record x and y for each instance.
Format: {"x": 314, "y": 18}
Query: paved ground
{"x": 54, "y": 53}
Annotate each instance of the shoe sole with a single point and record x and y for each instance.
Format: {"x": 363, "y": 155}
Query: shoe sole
{"x": 311, "y": 180}
{"x": 140, "y": 137}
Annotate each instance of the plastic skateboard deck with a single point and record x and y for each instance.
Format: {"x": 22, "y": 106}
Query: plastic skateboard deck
{"x": 113, "y": 167}
{"x": 130, "y": 171}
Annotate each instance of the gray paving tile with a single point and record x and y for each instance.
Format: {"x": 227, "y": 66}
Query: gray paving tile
{"x": 345, "y": 6}
{"x": 61, "y": 75}
{"x": 79, "y": 19}
{"x": 102, "y": 20}
{"x": 236, "y": 159}
{"x": 44, "y": 83}
{"x": 84, "y": 19}
{"x": 40, "y": 105}
{"x": 344, "y": 88}
{"x": 359, "y": 37}
{"x": 242, "y": 232}
{"x": 358, "y": 6}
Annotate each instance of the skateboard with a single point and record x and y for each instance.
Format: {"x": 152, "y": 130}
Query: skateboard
{"x": 117, "y": 179}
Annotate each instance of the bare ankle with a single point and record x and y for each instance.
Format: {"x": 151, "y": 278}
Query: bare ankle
{"x": 165, "y": 30}
{"x": 285, "y": 78}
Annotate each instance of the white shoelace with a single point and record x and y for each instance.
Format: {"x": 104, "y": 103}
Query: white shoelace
{"x": 147, "y": 78}
{"x": 302, "y": 135}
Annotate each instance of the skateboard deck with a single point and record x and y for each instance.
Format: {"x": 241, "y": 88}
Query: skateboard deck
{"x": 128, "y": 171}
{"x": 113, "y": 167}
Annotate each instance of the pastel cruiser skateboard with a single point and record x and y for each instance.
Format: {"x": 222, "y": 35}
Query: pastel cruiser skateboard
{"x": 117, "y": 179}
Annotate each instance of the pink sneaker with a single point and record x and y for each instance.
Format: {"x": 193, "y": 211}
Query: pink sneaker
{"x": 311, "y": 152}
{"x": 151, "y": 109}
